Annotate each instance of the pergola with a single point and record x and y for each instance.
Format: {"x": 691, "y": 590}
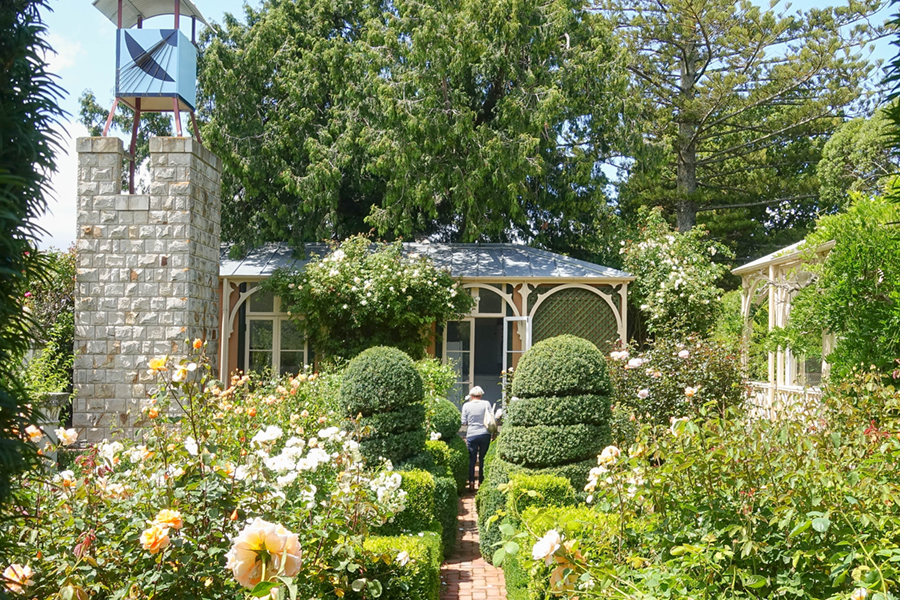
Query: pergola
{"x": 775, "y": 279}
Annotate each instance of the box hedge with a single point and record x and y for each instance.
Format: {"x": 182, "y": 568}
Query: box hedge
{"x": 383, "y": 385}
{"x": 395, "y": 447}
{"x": 543, "y": 446}
{"x": 382, "y": 424}
{"x": 558, "y": 410}
{"x": 380, "y": 380}
{"x": 459, "y": 461}
{"x": 563, "y": 365}
{"x": 446, "y": 419}
{"x": 446, "y": 509}
{"x": 419, "y": 514}
{"x": 419, "y": 579}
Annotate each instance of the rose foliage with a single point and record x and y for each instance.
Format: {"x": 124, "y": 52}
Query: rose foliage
{"x": 732, "y": 506}
{"x": 364, "y": 294}
{"x": 252, "y": 486}
{"x": 673, "y": 378}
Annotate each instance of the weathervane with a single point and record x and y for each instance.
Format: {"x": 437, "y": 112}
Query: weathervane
{"x": 156, "y": 69}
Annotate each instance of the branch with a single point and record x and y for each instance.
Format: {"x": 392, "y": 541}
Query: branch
{"x": 751, "y": 204}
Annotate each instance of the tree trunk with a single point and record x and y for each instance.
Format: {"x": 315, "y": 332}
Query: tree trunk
{"x": 686, "y": 146}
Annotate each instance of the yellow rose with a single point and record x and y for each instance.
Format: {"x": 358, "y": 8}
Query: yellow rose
{"x": 155, "y": 538}
{"x": 263, "y": 539}
{"x": 17, "y": 578}
{"x": 169, "y": 518}
{"x": 198, "y": 343}
{"x": 158, "y": 363}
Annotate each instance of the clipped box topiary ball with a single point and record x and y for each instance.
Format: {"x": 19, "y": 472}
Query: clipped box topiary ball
{"x": 447, "y": 419}
{"x": 381, "y": 379}
{"x": 561, "y": 366}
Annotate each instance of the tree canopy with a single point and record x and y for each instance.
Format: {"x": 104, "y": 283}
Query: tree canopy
{"x": 479, "y": 120}
{"x": 737, "y": 102}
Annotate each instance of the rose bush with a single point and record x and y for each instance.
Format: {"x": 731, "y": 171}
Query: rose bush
{"x": 727, "y": 506}
{"x": 365, "y": 294}
{"x": 673, "y": 378}
{"x": 251, "y": 484}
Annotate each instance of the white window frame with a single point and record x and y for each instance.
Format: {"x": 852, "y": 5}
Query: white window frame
{"x": 276, "y": 317}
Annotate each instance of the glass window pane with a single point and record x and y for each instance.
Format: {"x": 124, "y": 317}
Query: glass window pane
{"x": 291, "y": 336}
{"x": 262, "y": 302}
{"x": 458, "y": 333}
{"x": 489, "y": 302}
{"x": 261, "y": 334}
{"x": 291, "y": 362}
{"x": 260, "y": 361}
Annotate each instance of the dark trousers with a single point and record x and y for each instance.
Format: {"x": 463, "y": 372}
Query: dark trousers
{"x": 478, "y": 447}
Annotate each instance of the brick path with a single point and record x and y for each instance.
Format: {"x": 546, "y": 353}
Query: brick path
{"x": 465, "y": 575}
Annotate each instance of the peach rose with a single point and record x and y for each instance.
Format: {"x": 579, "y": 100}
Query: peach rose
{"x": 155, "y": 538}
{"x": 34, "y": 434}
{"x": 259, "y": 540}
{"x": 169, "y": 518}
{"x": 198, "y": 343}
{"x": 66, "y": 437}
{"x": 18, "y": 577}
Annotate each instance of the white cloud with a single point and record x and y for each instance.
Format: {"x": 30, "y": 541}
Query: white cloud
{"x": 59, "y": 222}
{"x": 66, "y": 53}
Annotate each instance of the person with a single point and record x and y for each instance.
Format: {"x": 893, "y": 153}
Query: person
{"x": 478, "y": 438}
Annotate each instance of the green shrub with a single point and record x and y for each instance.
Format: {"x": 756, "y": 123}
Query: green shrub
{"x": 435, "y": 459}
{"x": 802, "y": 506}
{"x": 489, "y": 501}
{"x": 557, "y": 410}
{"x": 397, "y": 421}
{"x": 419, "y": 579}
{"x": 658, "y": 381}
{"x": 624, "y": 427}
{"x": 551, "y": 445}
{"x": 396, "y": 447}
{"x": 459, "y": 460}
{"x": 419, "y": 512}
{"x": 446, "y": 419}
{"x": 550, "y": 491}
{"x": 446, "y": 508}
{"x": 379, "y": 380}
{"x": 516, "y": 579}
{"x": 561, "y": 366}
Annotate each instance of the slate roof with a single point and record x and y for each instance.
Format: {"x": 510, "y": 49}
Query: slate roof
{"x": 512, "y": 261}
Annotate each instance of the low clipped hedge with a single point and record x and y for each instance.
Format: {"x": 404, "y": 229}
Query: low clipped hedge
{"x": 561, "y": 366}
{"x": 379, "y": 380}
{"x": 548, "y": 445}
{"x": 419, "y": 579}
{"x": 459, "y": 461}
{"x": 446, "y": 509}
{"x": 382, "y": 424}
{"x": 419, "y": 512}
{"x": 558, "y": 410}
{"x": 396, "y": 447}
{"x": 550, "y": 490}
{"x": 446, "y": 419}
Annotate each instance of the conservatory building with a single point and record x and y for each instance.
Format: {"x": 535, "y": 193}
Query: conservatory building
{"x": 522, "y": 295}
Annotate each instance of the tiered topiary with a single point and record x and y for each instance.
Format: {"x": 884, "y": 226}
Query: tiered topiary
{"x": 383, "y": 386}
{"x": 559, "y": 419}
{"x": 556, "y": 423}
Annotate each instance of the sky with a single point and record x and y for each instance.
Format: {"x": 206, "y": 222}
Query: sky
{"x": 84, "y": 41}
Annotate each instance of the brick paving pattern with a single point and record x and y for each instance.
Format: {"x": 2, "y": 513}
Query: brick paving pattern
{"x": 465, "y": 575}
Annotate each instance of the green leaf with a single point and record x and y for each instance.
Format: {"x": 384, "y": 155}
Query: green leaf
{"x": 511, "y": 547}
{"x": 800, "y": 528}
{"x": 821, "y": 524}
{"x": 358, "y": 585}
{"x": 375, "y": 589}
{"x": 754, "y": 581}
{"x": 262, "y": 589}
{"x": 498, "y": 557}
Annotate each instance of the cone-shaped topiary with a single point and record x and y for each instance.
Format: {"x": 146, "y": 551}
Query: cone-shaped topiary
{"x": 383, "y": 386}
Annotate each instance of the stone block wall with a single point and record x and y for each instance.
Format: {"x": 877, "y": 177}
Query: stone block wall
{"x": 147, "y": 278}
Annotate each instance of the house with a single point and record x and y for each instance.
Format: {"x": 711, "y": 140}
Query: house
{"x": 151, "y": 275}
{"x": 770, "y": 283}
{"x": 523, "y": 295}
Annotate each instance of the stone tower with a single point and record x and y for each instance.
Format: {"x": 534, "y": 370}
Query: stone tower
{"x": 147, "y": 279}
